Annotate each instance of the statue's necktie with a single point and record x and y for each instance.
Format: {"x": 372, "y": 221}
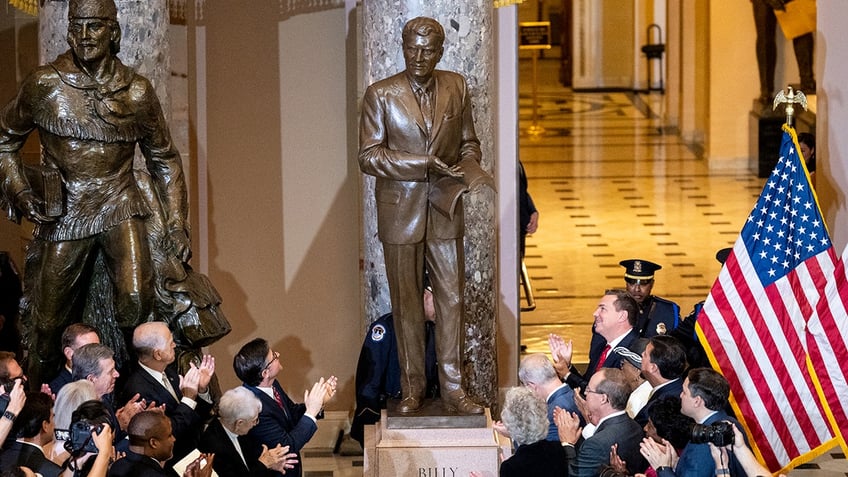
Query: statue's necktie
{"x": 425, "y": 102}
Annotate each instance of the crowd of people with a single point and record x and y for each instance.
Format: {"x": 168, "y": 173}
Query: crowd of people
{"x": 153, "y": 422}
{"x": 639, "y": 408}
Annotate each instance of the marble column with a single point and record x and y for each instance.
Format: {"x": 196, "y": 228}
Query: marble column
{"x": 468, "y": 51}
{"x": 144, "y": 39}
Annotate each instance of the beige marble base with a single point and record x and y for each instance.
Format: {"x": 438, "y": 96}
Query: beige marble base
{"x": 432, "y": 452}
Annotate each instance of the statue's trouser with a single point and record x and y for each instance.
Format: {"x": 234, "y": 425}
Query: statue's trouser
{"x": 803, "y": 46}
{"x": 445, "y": 261}
{"x": 61, "y": 283}
{"x": 766, "y": 23}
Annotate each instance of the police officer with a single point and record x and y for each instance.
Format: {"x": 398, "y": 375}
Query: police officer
{"x": 657, "y": 316}
{"x": 685, "y": 333}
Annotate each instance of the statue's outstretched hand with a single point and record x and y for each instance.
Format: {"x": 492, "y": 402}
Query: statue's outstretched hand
{"x": 438, "y": 166}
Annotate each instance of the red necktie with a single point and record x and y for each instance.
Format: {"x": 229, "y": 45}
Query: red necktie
{"x": 278, "y": 398}
{"x": 603, "y": 357}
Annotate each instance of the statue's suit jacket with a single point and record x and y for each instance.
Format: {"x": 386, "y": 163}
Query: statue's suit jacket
{"x": 394, "y": 146}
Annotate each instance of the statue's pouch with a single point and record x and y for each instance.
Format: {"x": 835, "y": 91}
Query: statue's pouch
{"x": 46, "y": 182}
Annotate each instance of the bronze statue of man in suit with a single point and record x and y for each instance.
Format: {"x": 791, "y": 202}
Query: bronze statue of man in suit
{"x": 417, "y": 128}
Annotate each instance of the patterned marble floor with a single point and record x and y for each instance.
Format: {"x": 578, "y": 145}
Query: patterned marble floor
{"x": 611, "y": 184}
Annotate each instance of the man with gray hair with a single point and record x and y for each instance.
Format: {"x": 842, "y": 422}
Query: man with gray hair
{"x": 187, "y": 401}
{"x": 96, "y": 363}
{"x": 238, "y": 454}
{"x": 537, "y": 373}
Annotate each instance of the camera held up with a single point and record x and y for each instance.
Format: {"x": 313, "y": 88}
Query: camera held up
{"x": 81, "y": 441}
{"x": 720, "y": 434}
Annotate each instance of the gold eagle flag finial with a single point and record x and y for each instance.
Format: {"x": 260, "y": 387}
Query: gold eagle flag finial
{"x": 790, "y": 99}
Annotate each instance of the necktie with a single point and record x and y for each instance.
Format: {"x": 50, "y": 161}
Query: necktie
{"x": 425, "y": 102}
{"x": 603, "y": 357}
{"x": 168, "y": 387}
{"x": 279, "y": 399}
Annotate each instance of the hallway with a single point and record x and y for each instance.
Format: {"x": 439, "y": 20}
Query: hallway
{"x": 611, "y": 185}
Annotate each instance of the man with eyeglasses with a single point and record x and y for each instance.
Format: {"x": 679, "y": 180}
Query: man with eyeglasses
{"x": 281, "y": 420}
{"x": 657, "y": 316}
{"x": 606, "y": 399}
{"x": 10, "y": 370}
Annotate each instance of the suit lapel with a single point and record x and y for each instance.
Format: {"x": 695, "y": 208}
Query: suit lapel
{"x": 439, "y": 106}
{"x": 410, "y": 103}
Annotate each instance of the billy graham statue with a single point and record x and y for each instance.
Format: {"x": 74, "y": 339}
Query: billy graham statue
{"x": 416, "y": 135}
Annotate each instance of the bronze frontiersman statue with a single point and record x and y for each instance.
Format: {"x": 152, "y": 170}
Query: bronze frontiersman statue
{"x": 90, "y": 111}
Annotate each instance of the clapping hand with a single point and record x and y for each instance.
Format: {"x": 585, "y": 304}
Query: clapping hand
{"x": 561, "y": 353}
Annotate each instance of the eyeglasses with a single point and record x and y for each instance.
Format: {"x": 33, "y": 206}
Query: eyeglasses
{"x": 275, "y": 358}
{"x": 592, "y": 391}
{"x": 636, "y": 281}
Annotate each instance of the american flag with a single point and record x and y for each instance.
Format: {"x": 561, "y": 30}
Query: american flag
{"x": 775, "y": 321}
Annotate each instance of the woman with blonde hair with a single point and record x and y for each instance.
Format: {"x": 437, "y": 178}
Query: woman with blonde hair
{"x": 67, "y": 401}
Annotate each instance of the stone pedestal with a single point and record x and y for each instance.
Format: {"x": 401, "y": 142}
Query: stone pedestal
{"x": 432, "y": 452}
{"x": 764, "y": 130}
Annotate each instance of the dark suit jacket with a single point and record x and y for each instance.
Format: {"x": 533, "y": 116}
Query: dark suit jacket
{"x": 138, "y": 465}
{"x": 596, "y": 348}
{"x": 594, "y": 452}
{"x": 563, "y": 398}
{"x": 394, "y": 146}
{"x": 289, "y": 426}
{"x": 18, "y": 453}
{"x": 655, "y": 310}
{"x": 539, "y": 459}
{"x": 64, "y": 377}
{"x": 696, "y": 460}
{"x": 228, "y": 462}
{"x": 672, "y": 389}
{"x": 187, "y": 423}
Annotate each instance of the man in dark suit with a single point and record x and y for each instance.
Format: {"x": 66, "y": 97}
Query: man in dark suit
{"x": 615, "y": 319}
{"x": 281, "y": 421}
{"x": 34, "y": 428}
{"x": 151, "y": 445}
{"x": 417, "y": 129}
{"x": 663, "y": 364}
{"x": 187, "y": 402}
{"x": 237, "y": 454}
{"x": 704, "y": 398}
{"x": 74, "y": 337}
{"x": 606, "y": 398}
{"x": 537, "y": 373}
